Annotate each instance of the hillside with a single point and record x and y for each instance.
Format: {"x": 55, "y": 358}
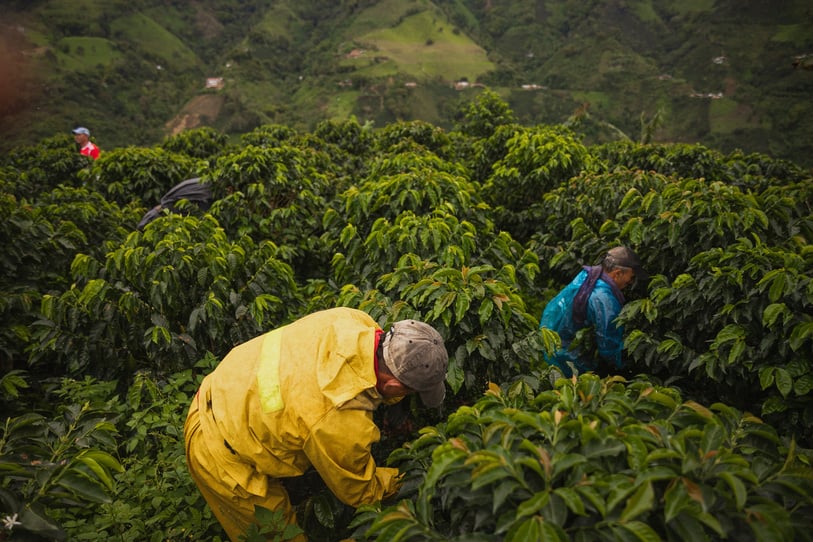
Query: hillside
{"x": 723, "y": 73}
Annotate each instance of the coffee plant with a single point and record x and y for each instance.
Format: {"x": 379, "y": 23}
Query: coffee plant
{"x": 107, "y": 330}
{"x": 596, "y": 460}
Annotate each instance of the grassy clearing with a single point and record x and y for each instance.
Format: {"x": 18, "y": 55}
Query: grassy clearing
{"x": 386, "y": 13}
{"x": 341, "y": 105}
{"x": 726, "y": 116}
{"x": 155, "y": 40}
{"x": 797, "y": 34}
{"x": 691, "y": 6}
{"x": 277, "y": 21}
{"x": 67, "y": 10}
{"x": 85, "y": 54}
{"x": 597, "y": 100}
{"x": 260, "y": 95}
{"x": 424, "y": 46}
{"x": 84, "y": 17}
{"x": 645, "y": 11}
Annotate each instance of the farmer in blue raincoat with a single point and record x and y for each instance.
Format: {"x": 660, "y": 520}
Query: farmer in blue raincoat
{"x": 593, "y": 300}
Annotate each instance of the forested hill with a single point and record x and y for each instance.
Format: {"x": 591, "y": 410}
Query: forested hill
{"x": 727, "y": 73}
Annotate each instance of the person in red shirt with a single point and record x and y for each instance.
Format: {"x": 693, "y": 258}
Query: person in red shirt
{"x": 86, "y": 147}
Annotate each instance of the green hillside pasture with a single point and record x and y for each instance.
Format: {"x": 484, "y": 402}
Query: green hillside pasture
{"x": 387, "y": 13}
{"x": 623, "y": 62}
{"x": 87, "y": 14}
{"x": 688, "y": 6}
{"x": 423, "y": 46}
{"x": 85, "y": 54}
{"x": 726, "y": 116}
{"x": 598, "y": 101}
{"x": 645, "y": 11}
{"x": 426, "y": 101}
{"x": 797, "y": 34}
{"x": 277, "y": 21}
{"x": 341, "y": 105}
{"x": 156, "y": 41}
{"x": 261, "y": 97}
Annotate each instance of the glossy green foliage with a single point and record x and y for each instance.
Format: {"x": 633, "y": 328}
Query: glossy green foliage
{"x": 65, "y": 459}
{"x": 268, "y": 135}
{"x": 349, "y": 145}
{"x": 115, "y": 499}
{"x": 203, "y": 142}
{"x": 394, "y": 137}
{"x": 97, "y": 218}
{"x": 476, "y": 308}
{"x": 680, "y": 160}
{"x": 36, "y": 250}
{"x": 277, "y": 194}
{"x": 140, "y": 174}
{"x": 35, "y": 255}
{"x": 751, "y": 332}
{"x": 269, "y": 192}
{"x": 284, "y": 171}
{"x": 488, "y": 151}
{"x": 667, "y": 220}
{"x": 748, "y": 171}
{"x": 153, "y": 500}
{"x": 482, "y": 116}
{"x": 405, "y": 183}
{"x": 537, "y": 161}
{"x": 574, "y": 223}
{"x": 31, "y": 170}
{"x": 470, "y": 231}
{"x": 593, "y": 460}
{"x": 348, "y": 135}
{"x": 162, "y": 299}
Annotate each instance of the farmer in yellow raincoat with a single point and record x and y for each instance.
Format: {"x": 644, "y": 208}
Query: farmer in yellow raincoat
{"x": 303, "y": 395}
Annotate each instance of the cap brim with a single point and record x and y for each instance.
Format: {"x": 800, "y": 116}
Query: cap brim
{"x": 434, "y": 397}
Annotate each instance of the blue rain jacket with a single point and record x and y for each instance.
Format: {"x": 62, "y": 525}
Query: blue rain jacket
{"x": 602, "y": 308}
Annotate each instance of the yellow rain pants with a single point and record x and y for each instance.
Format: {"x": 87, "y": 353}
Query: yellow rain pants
{"x": 302, "y": 395}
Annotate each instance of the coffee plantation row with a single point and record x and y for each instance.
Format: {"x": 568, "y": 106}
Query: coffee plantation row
{"x": 107, "y": 329}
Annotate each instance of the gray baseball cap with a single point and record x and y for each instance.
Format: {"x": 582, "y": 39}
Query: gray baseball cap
{"x": 626, "y": 257}
{"x": 415, "y": 354}
{"x": 81, "y": 130}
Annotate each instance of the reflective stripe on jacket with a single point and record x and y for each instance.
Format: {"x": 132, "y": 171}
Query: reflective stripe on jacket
{"x": 299, "y": 396}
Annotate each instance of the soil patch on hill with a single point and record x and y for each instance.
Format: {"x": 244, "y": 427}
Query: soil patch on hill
{"x": 198, "y": 111}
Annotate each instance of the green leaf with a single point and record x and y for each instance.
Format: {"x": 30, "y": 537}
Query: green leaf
{"x": 641, "y": 531}
{"x": 800, "y": 333}
{"x": 455, "y": 375}
{"x": 737, "y": 487}
{"x": 487, "y": 474}
{"x": 803, "y": 385}
{"x": 784, "y": 382}
{"x": 84, "y": 488}
{"x": 534, "y": 504}
{"x": 502, "y": 492}
{"x": 323, "y": 510}
{"x": 95, "y": 463}
{"x": 731, "y": 332}
{"x": 641, "y": 501}
{"x": 41, "y": 524}
{"x": 536, "y": 529}
{"x": 676, "y": 501}
{"x": 571, "y": 499}
{"x": 772, "y": 312}
{"x": 766, "y": 377}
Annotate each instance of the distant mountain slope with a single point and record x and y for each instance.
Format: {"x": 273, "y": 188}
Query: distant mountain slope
{"x": 727, "y": 73}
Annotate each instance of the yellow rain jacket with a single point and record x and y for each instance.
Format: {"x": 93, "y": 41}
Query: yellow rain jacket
{"x": 299, "y": 396}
